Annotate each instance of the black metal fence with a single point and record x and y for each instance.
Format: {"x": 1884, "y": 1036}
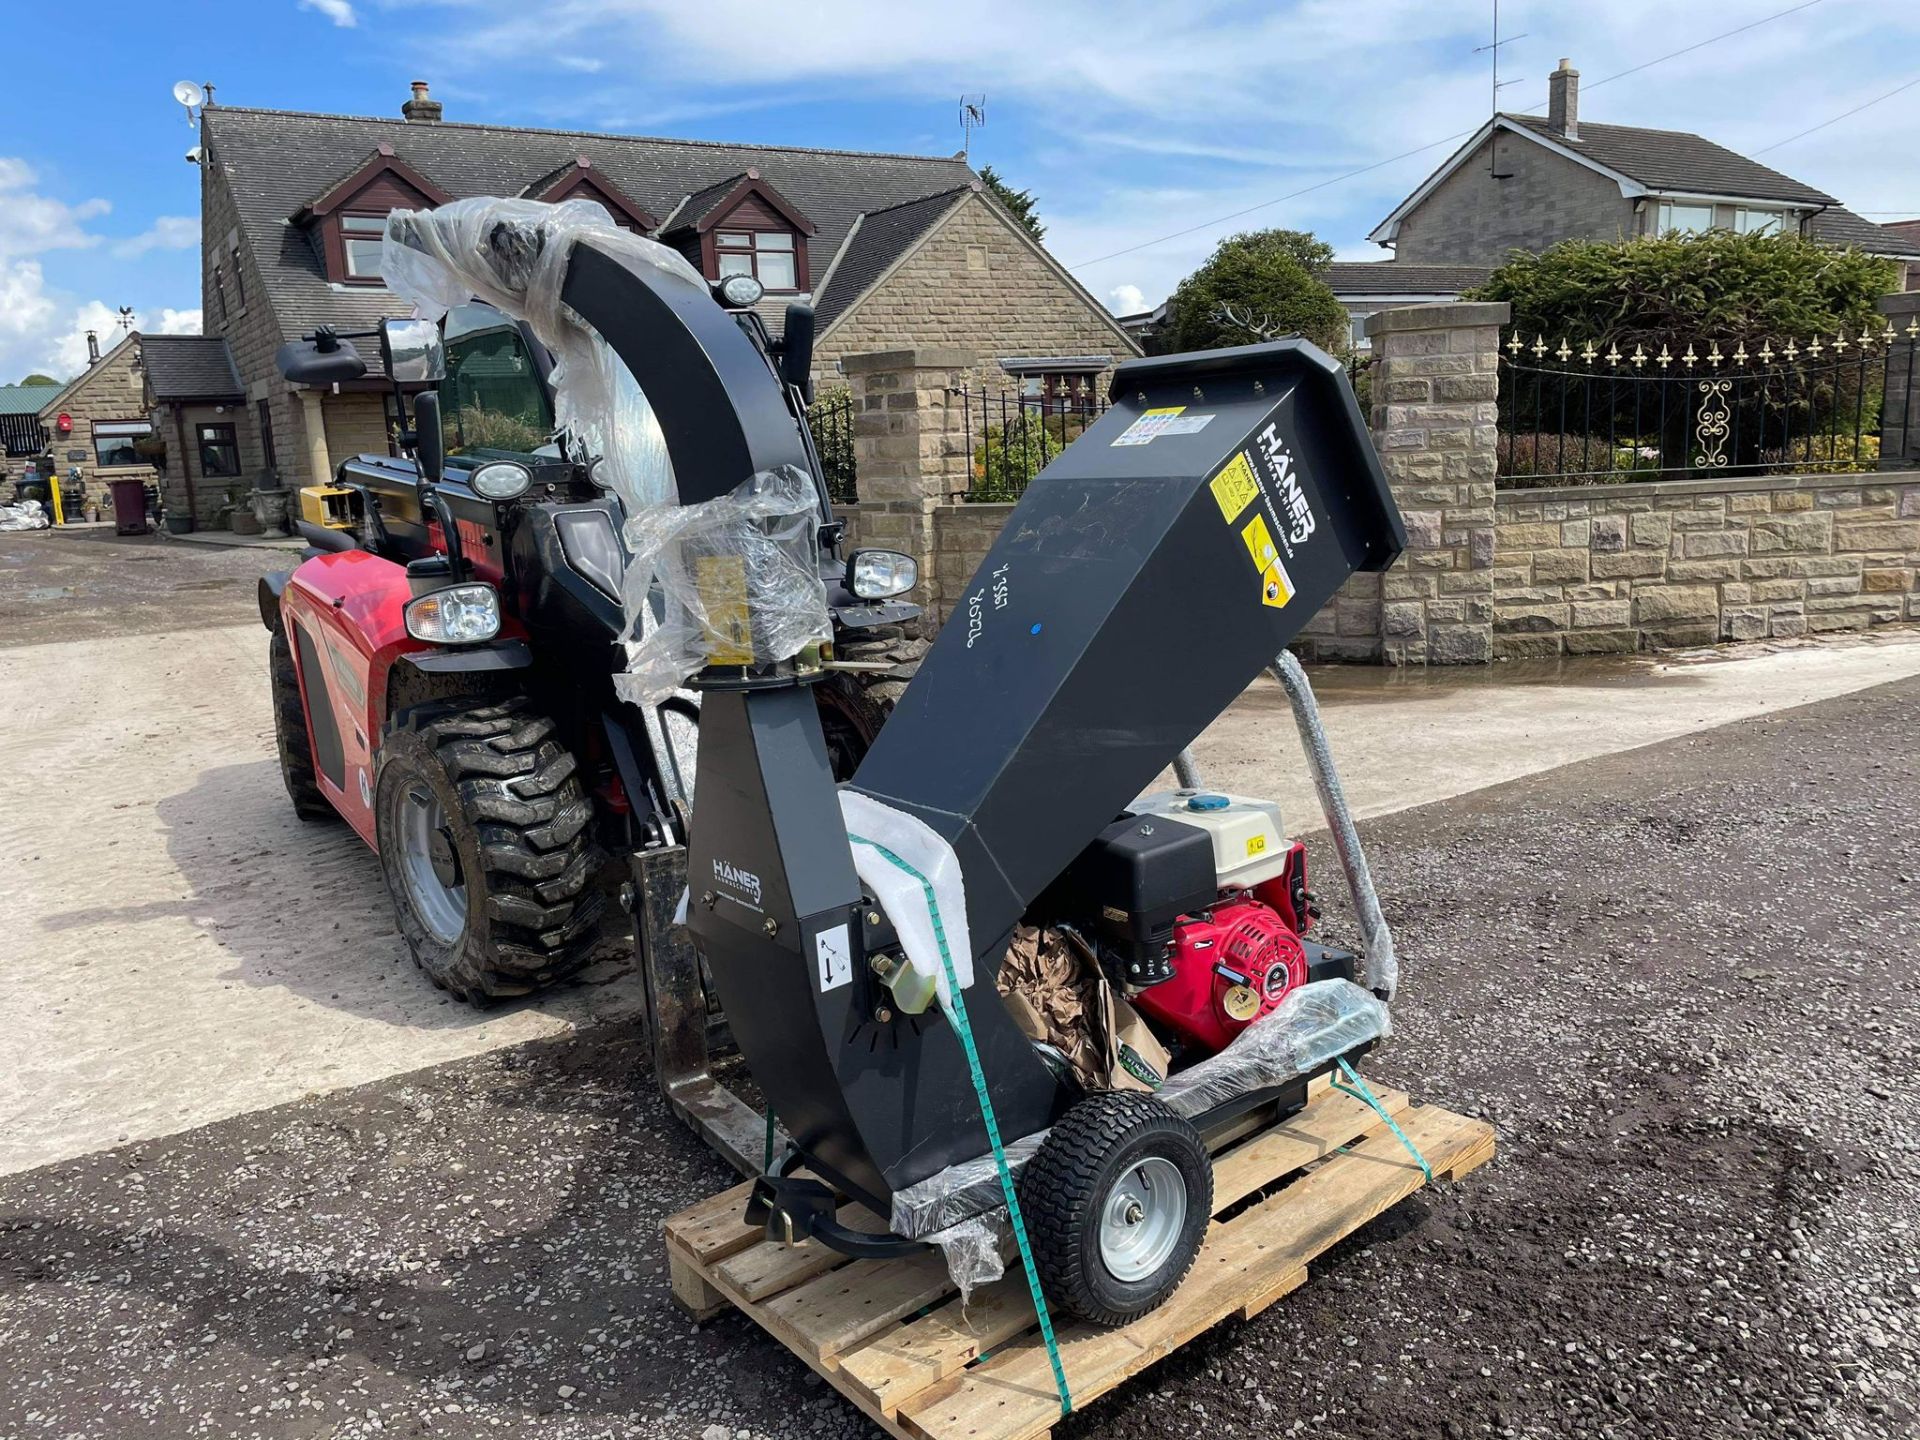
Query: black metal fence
{"x": 1010, "y": 436}
{"x": 830, "y": 417}
{"x": 1589, "y": 416}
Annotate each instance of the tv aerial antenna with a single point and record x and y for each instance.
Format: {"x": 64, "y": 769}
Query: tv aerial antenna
{"x": 1493, "y": 50}
{"x": 973, "y": 114}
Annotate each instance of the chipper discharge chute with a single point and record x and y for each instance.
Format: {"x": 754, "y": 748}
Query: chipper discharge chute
{"x": 861, "y": 938}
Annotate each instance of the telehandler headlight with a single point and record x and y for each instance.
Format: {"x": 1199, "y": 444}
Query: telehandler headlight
{"x": 501, "y": 480}
{"x": 740, "y": 292}
{"x": 876, "y": 574}
{"x": 458, "y": 615}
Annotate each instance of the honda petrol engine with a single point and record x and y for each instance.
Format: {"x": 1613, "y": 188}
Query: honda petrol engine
{"x": 1199, "y": 910}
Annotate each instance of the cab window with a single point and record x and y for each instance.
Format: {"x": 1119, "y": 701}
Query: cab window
{"x": 492, "y": 398}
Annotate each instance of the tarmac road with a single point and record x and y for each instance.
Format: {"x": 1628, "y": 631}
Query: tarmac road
{"x": 1678, "y": 979}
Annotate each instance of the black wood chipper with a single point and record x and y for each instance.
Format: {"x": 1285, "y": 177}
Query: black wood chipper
{"x": 993, "y": 992}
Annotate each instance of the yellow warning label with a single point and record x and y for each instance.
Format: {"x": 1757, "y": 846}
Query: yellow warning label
{"x": 1260, "y": 542}
{"x": 1276, "y": 587}
{"x": 721, "y": 582}
{"x": 1256, "y": 844}
{"x": 1234, "y": 487}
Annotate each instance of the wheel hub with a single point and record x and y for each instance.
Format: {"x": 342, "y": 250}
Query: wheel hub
{"x": 1141, "y": 1221}
{"x": 431, "y": 866}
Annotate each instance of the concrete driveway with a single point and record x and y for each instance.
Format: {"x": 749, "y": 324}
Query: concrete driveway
{"x": 178, "y": 948}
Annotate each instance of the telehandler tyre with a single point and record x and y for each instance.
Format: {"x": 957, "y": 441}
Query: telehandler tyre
{"x": 484, "y": 836}
{"x": 1116, "y": 1201}
{"x": 290, "y": 734}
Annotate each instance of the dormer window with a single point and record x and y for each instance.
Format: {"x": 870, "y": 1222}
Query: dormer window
{"x": 360, "y": 237}
{"x": 767, "y": 255}
{"x": 350, "y": 217}
{"x": 743, "y": 226}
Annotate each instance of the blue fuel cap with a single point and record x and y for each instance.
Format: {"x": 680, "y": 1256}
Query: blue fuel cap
{"x": 1208, "y": 802}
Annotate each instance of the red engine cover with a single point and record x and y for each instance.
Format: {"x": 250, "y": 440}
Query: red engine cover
{"x": 1244, "y": 947}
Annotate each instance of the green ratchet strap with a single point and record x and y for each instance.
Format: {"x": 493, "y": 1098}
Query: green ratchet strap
{"x": 965, "y": 1032}
{"x": 1361, "y": 1091}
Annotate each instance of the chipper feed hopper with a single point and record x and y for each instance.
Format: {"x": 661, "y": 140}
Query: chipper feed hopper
{"x": 1146, "y": 577}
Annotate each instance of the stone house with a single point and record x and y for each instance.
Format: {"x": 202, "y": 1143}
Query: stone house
{"x": 198, "y": 407}
{"x": 1526, "y": 182}
{"x": 98, "y": 422}
{"x": 890, "y": 249}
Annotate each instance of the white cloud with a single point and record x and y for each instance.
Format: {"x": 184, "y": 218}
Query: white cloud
{"x": 31, "y": 223}
{"x": 338, "y": 11}
{"x": 1126, "y": 300}
{"x": 41, "y": 326}
{"x": 168, "y": 232}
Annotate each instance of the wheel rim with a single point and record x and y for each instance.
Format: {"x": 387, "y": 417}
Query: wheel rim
{"x": 431, "y": 865}
{"x": 1141, "y": 1221}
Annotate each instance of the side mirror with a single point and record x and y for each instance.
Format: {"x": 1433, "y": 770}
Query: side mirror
{"x": 429, "y": 444}
{"x": 321, "y": 359}
{"x": 796, "y": 350}
{"x": 412, "y": 351}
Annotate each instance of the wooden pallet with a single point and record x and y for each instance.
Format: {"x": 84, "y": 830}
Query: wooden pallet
{"x": 893, "y": 1337}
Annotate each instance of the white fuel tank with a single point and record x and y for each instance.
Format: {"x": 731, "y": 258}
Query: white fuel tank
{"x": 1249, "y": 839}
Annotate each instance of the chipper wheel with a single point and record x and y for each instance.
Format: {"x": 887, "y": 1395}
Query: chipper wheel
{"x": 1116, "y": 1202}
{"x": 483, "y": 830}
{"x": 290, "y": 732}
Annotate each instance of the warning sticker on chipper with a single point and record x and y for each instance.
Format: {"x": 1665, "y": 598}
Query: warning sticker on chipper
{"x": 1166, "y": 420}
{"x": 1276, "y": 586}
{"x": 833, "y": 950}
{"x": 1234, "y": 487}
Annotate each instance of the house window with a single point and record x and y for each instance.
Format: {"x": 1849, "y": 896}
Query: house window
{"x": 239, "y": 281}
{"x": 1687, "y": 219}
{"x": 219, "y": 451}
{"x": 767, "y": 255}
{"x": 113, "y": 441}
{"x": 265, "y": 412}
{"x": 219, "y": 295}
{"x": 360, "y": 237}
{"x": 1070, "y": 387}
{"x": 1748, "y": 221}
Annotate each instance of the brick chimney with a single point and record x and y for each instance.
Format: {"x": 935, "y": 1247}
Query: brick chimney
{"x": 1563, "y": 101}
{"x": 420, "y": 110}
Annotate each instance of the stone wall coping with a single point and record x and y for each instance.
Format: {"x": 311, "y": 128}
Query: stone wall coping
{"x": 1901, "y": 302}
{"x": 1449, "y": 315}
{"x": 1729, "y": 485}
{"x": 925, "y": 357}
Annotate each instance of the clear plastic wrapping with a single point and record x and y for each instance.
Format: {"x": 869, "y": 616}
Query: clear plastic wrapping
{"x": 733, "y": 576}
{"x": 961, "y": 1208}
{"x": 730, "y": 581}
{"x": 24, "y": 515}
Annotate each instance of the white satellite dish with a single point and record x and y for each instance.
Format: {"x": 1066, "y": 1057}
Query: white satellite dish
{"x": 189, "y": 94}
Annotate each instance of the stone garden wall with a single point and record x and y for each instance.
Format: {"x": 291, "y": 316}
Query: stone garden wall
{"x": 1616, "y": 568}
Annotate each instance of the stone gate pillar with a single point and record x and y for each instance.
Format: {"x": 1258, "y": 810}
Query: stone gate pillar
{"x": 1435, "y": 379}
{"x": 909, "y": 446}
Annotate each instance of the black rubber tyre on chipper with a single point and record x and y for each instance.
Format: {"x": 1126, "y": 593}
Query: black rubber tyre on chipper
{"x": 485, "y": 836}
{"x": 290, "y": 734}
{"x": 1116, "y": 1202}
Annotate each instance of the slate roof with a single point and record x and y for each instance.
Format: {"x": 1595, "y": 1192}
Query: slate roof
{"x": 277, "y": 161}
{"x": 26, "y": 399}
{"x": 1676, "y": 160}
{"x": 190, "y": 367}
{"x": 1840, "y": 226}
{"x": 1394, "y": 277}
{"x": 882, "y": 237}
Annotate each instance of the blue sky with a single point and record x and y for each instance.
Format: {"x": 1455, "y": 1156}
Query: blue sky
{"x": 1129, "y": 120}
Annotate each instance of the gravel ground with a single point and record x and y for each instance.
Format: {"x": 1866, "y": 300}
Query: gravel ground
{"x": 1675, "y": 978}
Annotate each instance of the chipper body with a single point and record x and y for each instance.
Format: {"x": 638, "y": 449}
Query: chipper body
{"x": 1146, "y": 577}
